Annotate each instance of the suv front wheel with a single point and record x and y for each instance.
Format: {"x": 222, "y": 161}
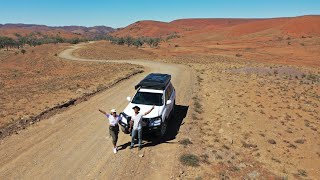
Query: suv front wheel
{"x": 162, "y": 131}
{"x": 125, "y": 130}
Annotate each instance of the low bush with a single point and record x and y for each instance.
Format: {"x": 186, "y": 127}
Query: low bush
{"x": 185, "y": 142}
{"x": 189, "y": 160}
{"x": 23, "y": 51}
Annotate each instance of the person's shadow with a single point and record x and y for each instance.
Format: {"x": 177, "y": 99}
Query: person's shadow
{"x": 123, "y": 146}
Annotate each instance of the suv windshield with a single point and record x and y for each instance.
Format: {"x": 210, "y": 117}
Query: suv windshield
{"x": 148, "y": 98}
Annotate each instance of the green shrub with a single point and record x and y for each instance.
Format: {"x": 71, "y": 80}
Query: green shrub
{"x": 189, "y": 160}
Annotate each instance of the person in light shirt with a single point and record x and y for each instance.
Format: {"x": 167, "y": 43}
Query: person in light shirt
{"x": 137, "y": 126}
{"x": 113, "y": 126}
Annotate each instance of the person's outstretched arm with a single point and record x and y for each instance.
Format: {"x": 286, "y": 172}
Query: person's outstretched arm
{"x": 146, "y": 113}
{"x": 103, "y": 112}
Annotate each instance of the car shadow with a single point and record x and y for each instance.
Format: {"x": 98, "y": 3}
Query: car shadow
{"x": 173, "y": 128}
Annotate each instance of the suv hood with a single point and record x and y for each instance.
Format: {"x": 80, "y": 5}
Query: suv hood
{"x": 143, "y": 108}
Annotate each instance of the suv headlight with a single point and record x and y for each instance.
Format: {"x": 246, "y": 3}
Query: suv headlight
{"x": 155, "y": 121}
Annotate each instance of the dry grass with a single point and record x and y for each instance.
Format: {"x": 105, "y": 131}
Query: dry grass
{"x": 252, "y": 123}
{"x": 185, "y": 142}
{"x": 190, "y": 160}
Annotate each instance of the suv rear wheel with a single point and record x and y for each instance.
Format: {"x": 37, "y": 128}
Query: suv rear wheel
{"x": 173, "y": 110}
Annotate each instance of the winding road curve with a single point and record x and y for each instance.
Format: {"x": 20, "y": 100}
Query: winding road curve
{"x": 75, "y": 144}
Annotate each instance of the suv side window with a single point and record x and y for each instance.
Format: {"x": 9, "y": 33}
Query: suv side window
{"x": 167, "y": 94}
{"x": 169, "y": 91}
{"x": 171, "y": 88}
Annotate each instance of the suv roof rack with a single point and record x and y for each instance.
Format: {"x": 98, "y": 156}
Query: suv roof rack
{"x": 155, "y": 81}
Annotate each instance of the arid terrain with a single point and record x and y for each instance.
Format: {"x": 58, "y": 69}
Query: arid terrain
{"x": 293, "y": 41}
{"x": 11, "y": 30}
{"x": 108, "y": 51}
{"x": 255, "y": 121}
{"x": 209, "y": 28}
{"x": 248, "y": 93}
{"x": 75, "y": 143}
{"x": 39, "y": 80}
{"x": 248, "y": 119}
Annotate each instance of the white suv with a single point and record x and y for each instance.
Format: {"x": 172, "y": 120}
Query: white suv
{"x": 155, "y": 89}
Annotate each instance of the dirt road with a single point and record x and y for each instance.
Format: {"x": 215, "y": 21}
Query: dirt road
{"x": 75, "y": 144}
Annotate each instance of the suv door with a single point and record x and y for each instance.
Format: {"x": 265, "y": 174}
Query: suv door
{"x": 169, "y": 95}
{"x": 172, "y": 98}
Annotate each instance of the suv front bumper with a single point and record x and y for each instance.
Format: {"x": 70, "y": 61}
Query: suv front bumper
{"x": 148, "y": 124}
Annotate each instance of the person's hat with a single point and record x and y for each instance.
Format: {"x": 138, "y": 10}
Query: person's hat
{"x": 113, "y": 111}
{"x": 136, "y": 107}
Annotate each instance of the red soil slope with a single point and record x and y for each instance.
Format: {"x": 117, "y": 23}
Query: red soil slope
{"x": 148, "y": 28}
{"x": 293, "y": 26}
{"x": 65, "y": 31}
{"x": 10, "y": 32}
{"x": 305, "y": 25}
{"x": 207, "y": 22}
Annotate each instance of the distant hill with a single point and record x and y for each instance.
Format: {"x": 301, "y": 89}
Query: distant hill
{"x": 291, "y": 26}
{"x": 64, "y": 31}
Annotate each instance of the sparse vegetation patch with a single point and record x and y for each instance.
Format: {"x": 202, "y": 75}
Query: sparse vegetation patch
{"x": 189, "y": 160}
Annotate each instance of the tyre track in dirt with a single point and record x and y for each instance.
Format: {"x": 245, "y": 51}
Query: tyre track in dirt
{"x": 75, "y": 143}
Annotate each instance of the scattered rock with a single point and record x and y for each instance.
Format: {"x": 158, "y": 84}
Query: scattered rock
{"x": 248, "y": 145}
{"x": 300, "y": 141}
{"x": 221, "y": 131}
{"x": 253, "y": 175}
{"x": 272, "y": 141}
{"x": 292, "y": 146}
{"x": 79, "y": 91}
{"x": 141, "y": 155}
{"x": 242, "y": 165}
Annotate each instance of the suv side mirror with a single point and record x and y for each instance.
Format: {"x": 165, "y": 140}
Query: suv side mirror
{"x": 129, "y": 98}
{"x": 169, "y": 102}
